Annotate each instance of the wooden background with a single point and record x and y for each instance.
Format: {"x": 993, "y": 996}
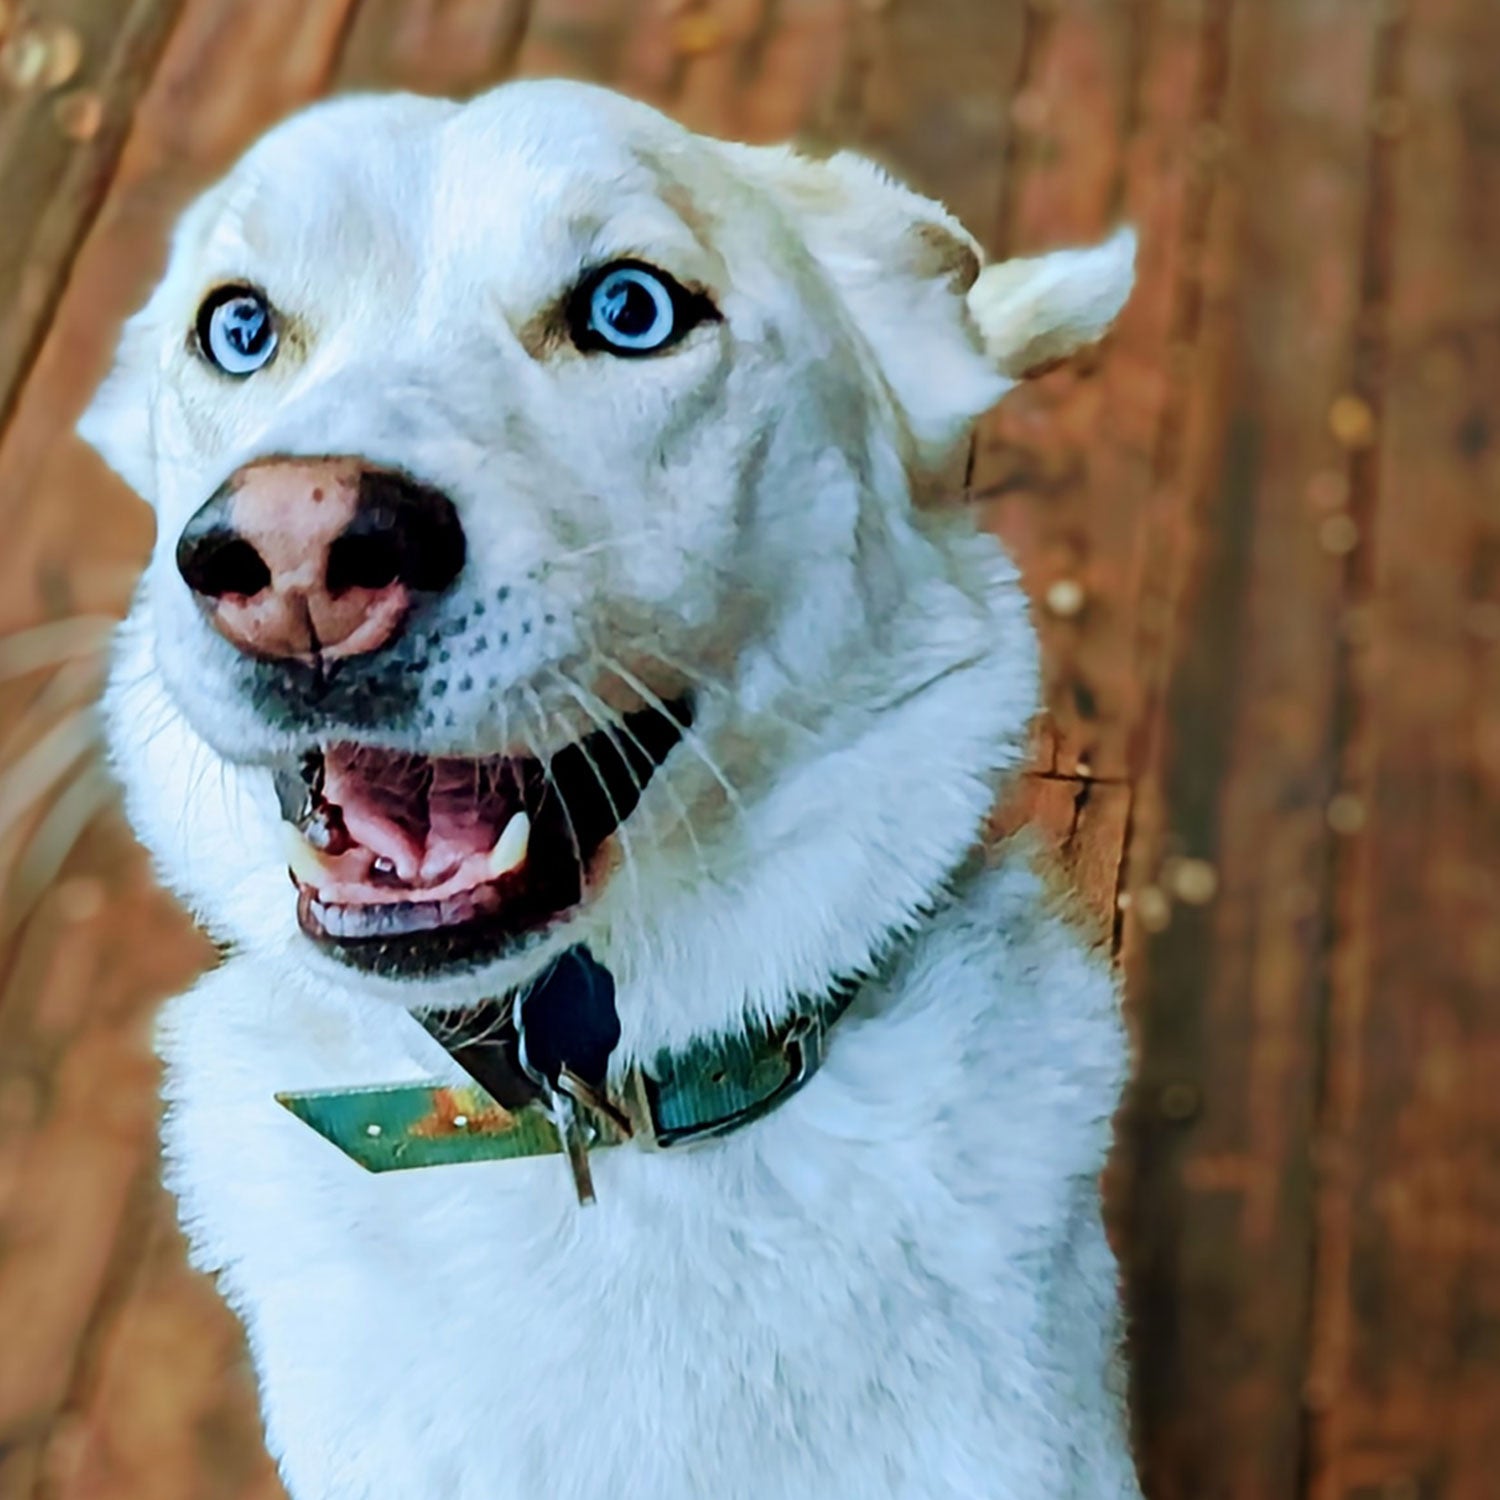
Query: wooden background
{"x": 1262, "y": 527}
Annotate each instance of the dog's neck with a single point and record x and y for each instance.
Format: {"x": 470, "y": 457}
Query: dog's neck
{"x": 858, "y": 835}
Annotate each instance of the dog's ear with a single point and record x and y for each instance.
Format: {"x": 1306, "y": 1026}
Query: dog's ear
{"x": 1033, "y": 312}
{"x": 950, "y": 335}
{"x": 117, "y": 423}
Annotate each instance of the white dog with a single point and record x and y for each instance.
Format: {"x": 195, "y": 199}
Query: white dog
{"x": 552, "y": 572}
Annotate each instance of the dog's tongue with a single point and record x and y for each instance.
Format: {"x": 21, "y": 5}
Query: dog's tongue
{"x": 425, "y": 816}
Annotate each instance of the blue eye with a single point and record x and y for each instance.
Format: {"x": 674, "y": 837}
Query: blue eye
{"x": 236, "y": 330}
{"x": 630, "y": 309}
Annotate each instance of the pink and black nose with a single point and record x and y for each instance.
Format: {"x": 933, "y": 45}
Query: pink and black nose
{"x": 318, "y": 558}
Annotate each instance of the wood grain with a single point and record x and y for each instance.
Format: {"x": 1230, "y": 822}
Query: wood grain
{"x": 1405, "y": 1370}
{"x": 1232, "y": 998}
{"x": 1261, "y": 533}
{"x": 53, "y": 176}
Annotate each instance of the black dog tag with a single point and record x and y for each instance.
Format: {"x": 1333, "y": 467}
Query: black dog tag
{"x": 567, "y": 1019}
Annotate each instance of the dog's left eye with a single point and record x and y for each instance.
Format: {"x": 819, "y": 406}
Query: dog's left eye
{"x": 628, "y": 308}
{"x": 236, "y": 330}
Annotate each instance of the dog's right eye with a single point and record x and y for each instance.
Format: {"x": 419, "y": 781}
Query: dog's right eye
{"x": 236, "y": 330}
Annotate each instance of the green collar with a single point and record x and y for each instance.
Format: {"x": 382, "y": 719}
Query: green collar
{"x": 709, "y": 1089}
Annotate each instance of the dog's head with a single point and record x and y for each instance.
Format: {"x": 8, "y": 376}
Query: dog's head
{"x": 548, "y": 550}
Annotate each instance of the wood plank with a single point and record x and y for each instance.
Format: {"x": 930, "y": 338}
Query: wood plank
{"x": 1191, "y": 314}
{"x": 1089, "y": 476}
{"x": 79, "y": 1099}
{"x": 166, "y": 1408}
{"x": 934, "y": 95}
{"x": 930, "y": 98}
{"x": 1062, "y": 467}
{"x": 433, "y": 46}
{"x": 1408, "y": 1357}
{"x": 82, "y": 67}
{"x": 1243, "y": 766}
{"x": 1295, "y": 987}
{"x": 602, "y": 41}
{"x": 761, "y": 70}
{"x": 1081, "y": 471}
{"x": 1081, "y": 824}
{"x": 746, "y": 69}
{"x": 754, "y": 70}
{"x": 85, "y": 1209}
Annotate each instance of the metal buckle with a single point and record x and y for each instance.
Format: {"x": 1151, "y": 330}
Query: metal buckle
{"x": 800, "y": 1046}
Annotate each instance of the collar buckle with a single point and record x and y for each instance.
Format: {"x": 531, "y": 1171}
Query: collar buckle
{"x": 713, "y": 1088}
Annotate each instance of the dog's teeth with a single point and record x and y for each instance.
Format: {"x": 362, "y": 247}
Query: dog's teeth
{"x": 510, "y": 848}
{"x": 306, "y": 863}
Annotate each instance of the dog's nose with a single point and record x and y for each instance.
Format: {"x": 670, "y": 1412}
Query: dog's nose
{"x": 318, "y": 557}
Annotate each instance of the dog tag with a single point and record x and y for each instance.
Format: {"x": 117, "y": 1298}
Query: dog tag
{"x": 566, "y": 1027}
{"x": 567, "y": 1019}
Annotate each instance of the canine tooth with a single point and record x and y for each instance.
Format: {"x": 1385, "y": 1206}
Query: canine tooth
{"x": 306, "y": 862}
{"x": 510, "y": 848}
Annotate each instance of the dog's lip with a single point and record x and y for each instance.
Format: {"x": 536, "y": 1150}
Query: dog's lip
{"x": 406, "y": 863}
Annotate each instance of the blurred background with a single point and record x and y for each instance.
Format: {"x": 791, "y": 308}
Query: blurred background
{"x": 1261, "y": 527}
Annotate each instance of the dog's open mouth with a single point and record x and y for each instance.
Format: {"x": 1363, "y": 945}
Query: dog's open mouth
{"x": 408, "y": 863}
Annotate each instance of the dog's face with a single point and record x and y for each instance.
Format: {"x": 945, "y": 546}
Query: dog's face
{"x": 537, "y": 484}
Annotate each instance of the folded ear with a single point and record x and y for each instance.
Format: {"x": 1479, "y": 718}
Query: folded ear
{"x": 950, "y": 338}
{"x": 1034, "y": 312}
{"x": 903, "y": 266}
{"x": 117, "y": 422}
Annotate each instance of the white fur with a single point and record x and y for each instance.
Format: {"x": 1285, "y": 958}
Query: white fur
{"x": 896, "y": 1285}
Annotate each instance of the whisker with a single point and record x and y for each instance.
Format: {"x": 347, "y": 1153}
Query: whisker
{"x": 572, "y": 689}
{"x": 204, "y": 761}
{"x": 73, "y": 681}
{"x": 52, "y": 644}
{"x": 697, "y": 678}
{"x": 689, "y": 736}
{"x": 163, "y": 718}
{"x": 44, "y": 764}
{"x": 627, "y": 850}
{"x": 604, "y": 544}
{"x": 550, "y": 782}
{"x": 610, "y": 726}
{"x": 54, "y": 838}
{"x": 446, "y": 1032}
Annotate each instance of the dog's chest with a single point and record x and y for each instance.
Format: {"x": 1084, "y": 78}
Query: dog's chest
{"x": 815, "y": 1306}
{"x": 730, "y": 1321}
{"x": 484, "y": 1337}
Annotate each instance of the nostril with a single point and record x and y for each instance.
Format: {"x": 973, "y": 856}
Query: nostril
{"x": 219, "y": 561}
{"x": 404, "y": 532}
{"x": 435, "y": 550}
{"x": 370, "y": 560}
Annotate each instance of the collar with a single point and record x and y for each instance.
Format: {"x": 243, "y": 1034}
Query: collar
{"x": 538, "y": 1061}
